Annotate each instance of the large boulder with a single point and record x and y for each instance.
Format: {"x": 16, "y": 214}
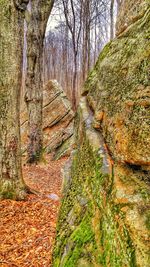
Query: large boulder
{"x": 104, "y": 215}
{"x": 118, "y": 90}
{"x": 57, "y": 121}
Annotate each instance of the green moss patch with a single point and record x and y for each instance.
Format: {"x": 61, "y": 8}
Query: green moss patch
{"x": 98, "y": 233}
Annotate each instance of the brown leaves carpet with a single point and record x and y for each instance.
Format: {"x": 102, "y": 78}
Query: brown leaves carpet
{"x": 27, "y": 228}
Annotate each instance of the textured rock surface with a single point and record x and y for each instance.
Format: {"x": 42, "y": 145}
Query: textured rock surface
{"x": 57, "y": 121}
{"x": 130, "y": 12}
{"x": 104, "y": 216}
{"x": 119, "y": 93}
{"x": 105, "y": 212}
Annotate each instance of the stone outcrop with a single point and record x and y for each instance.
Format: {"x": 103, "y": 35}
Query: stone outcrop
{"x": 118, "y": 91}
{"x": 130, "y": 12}
{"x": 104, "y": 216}
{"x": 58, "y": 119}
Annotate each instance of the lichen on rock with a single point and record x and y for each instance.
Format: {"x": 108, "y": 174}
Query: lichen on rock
{"x": 119, "y": 87}
{"x": 102, "y": 219}
{"x": 104, "y": 215}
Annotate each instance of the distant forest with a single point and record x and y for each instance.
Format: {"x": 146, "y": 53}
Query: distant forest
{"x": 81, "y": 30}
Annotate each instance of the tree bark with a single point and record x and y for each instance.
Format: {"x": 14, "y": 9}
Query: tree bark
{"x": 86, "y": 39}
{"x": 119, "y": 2}
{"x": 11, "y": 55}
{"x": 39, "y": 12}
{"x": 74, "y": 100}
{"x": 112, "y": 19}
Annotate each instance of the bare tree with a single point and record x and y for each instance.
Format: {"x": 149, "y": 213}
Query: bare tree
{"x": 92, "y": 23}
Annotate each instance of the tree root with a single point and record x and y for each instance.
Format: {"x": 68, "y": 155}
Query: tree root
{"x": 32, "y": 191}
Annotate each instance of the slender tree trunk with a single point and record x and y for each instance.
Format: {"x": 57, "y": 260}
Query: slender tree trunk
{"x": 36, "y": 26}
{"x": 95, "y": 43}
{"x": 84, "y": 54}
{"x": 66, "y": 59}
{"x": 11, "y": 55}
{"x": 118, "y": 6}
{"x": 89, "y": 49}
{"x": 86, "y": 39}
{"x": 112, "y": 19}
{"x": 74, "y": 101}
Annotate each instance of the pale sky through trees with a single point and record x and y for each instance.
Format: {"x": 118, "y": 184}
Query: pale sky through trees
{"x": 56, "y": 17}
{"x": 92, "y": 34}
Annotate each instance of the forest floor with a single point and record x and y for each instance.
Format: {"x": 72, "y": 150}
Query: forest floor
{"x": 28, "y": 228}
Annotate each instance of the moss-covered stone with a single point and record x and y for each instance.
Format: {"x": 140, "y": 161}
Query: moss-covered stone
{"x": 104, "y": 215}
{"x": 130, "y": 11}
{"x": 96, "y": 225}
{"x": 119, "y": 87}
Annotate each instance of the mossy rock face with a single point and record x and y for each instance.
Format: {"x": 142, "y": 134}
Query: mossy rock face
{"x": 118, "y": 90}
{"x": 102, "y": 220}
{"x": 130, "y": 12}
{"x": 104, "y": 215}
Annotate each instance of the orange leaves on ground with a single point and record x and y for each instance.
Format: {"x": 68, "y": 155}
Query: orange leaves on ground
{"x": 27, "y": 228}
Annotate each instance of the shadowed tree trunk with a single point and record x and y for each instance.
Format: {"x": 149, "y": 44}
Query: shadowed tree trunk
{"x": 11, "y": 54}
{"x": 36, "y": 18}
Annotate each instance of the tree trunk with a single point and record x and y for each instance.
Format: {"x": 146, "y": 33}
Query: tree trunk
{"x": 83, "y": 52}
{"x": 95, "y": 50}
{"x": 36, "y": 26}
{"x": 89, "y": 49}
{"x": 74, "y": 100}
{"x": 118, "y": 6}
{"x": 66, "y": 59}
{"x": 112, "y": 19}
{"x": 11, "y": 55}
{"x": 86, "y": 40}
